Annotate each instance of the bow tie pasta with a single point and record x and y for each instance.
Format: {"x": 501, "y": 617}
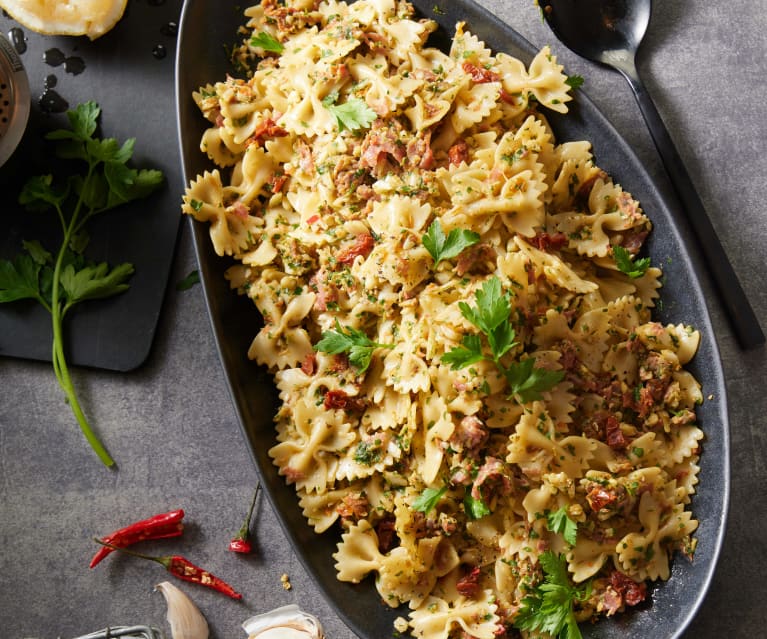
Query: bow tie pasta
{"x": 473, "y": 390}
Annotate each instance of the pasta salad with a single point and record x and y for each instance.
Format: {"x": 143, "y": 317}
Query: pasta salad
{"x": 472, "y": 389}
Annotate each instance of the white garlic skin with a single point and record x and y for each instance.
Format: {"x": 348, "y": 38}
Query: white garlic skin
{"x": 185, "y": 619}
{"x": 287, "y": 622}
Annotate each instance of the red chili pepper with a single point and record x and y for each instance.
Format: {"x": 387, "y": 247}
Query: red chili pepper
{"x": 182, "y": 568}
{"x": 241, "y": 541}
{"x": 160, "y": 526}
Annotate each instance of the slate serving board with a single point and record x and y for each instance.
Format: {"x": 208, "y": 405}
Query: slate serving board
{"x": 129, "y": 73}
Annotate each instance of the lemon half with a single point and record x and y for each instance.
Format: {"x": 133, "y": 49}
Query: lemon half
{"x": 92, "y": 18}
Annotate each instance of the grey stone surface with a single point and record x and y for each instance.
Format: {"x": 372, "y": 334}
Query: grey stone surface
{"x": 172, "y": 428}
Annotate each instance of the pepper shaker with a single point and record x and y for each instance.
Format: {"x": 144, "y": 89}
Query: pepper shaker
{"x": 14, "y": 99}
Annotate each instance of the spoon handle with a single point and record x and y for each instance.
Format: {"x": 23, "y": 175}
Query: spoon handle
{"x": 739, "y": 310}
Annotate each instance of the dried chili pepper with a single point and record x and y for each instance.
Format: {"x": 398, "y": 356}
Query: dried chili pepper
{"x": 241, "y": 541}
{"x": 182, "y": 568}
{"x": 160, "y": 526}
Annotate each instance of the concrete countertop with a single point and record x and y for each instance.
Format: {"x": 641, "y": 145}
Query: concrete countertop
{"x": 171, "y": 425}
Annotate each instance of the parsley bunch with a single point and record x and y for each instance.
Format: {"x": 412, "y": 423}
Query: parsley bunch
{"x": 491, "y": 316}
{"x": 61, "y": 281}
{"x": 549, "y": 606}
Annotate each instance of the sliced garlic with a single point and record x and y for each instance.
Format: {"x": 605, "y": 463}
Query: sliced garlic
{"x": 287, "y": 622}
{"x": 185, "y": 619}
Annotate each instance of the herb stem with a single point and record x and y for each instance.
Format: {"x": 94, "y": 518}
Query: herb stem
{"x": 58, "y": 357}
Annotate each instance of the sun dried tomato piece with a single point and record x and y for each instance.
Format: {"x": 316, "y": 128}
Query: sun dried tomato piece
{"x": 341, "y": 399}
{"x": 632, "y": 592}
{"x": 309, "y": 365}
{"x": 614, "y": 435}
{"x": 600, "y": 498}
{"x": 386, "y": 534}
{"x": 363, "y": 244}
{"x": 468, "y": 585}
{"x": 458, "y": 153}
{"x": 480, "y": 75}
{"x": 547, "y": 242}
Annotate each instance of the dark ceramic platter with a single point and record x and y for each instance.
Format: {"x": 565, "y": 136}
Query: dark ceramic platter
{"x": 206, "y": 28}
{"x": 126, "y": 73}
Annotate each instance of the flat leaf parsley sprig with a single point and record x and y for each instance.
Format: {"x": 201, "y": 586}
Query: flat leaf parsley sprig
{"x": 491, "y": 316}
{"x": 549, "y": 606}
{"x": 358, "y": 346}
{"x": 444, "y": 247}
{"x": 626, "y": 264}
{"x": 61, "y": 281}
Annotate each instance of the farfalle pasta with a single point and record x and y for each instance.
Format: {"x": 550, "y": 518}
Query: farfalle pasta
{"x": 350, "y": 142}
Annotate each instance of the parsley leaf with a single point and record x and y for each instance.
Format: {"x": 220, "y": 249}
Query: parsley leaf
{"x": 443, "y": 247}
{"x": 39, "y": 193}
{"x": 529, "y": 382}
{"x": 349, "y": 340}
{"x": 463, "y": 356}
{"x": 352, "y": 115}
{"x": 493, "y": 307}
{"x": 267, "y": 42}
{"x": 629, "y": 266}
{"x": 428, "y": 499}
{"x": 558, "y": 522}
{"x": 549, "y": 606}
{"x": 574, "y": 81}
{"x": 19, "y": 279}
{"x": 61, "y": 280}
{"x": 474, "y": 508}
{"x": 189, "y": 281}
{"x": 94, "y": 281}
{"x": 38, "y": 252}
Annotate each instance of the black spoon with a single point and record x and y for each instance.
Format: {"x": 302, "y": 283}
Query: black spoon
{"x": 609, "y": 32}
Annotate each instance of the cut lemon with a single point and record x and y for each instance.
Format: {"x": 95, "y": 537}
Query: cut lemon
{"x": 92, "y": 18}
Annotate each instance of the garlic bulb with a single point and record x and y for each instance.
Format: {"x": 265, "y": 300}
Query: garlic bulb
{"x": 288, "y": 622}
{"x": 185, "y": 619}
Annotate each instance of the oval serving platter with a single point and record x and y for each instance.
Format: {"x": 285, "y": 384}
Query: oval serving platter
{"x": 207, "y": 31}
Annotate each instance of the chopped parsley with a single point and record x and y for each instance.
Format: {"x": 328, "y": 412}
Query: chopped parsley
{"x": 367, "y": 453}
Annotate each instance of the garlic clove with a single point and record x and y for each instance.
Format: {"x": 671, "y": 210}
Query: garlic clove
{"x": 287, "y": 622}
{"x": 185, "y": 619}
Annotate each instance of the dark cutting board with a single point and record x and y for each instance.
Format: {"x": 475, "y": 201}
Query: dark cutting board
{"x": 129, "y": 72}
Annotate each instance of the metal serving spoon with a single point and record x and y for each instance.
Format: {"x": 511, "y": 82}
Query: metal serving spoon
{"x": 609, "y": 32}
